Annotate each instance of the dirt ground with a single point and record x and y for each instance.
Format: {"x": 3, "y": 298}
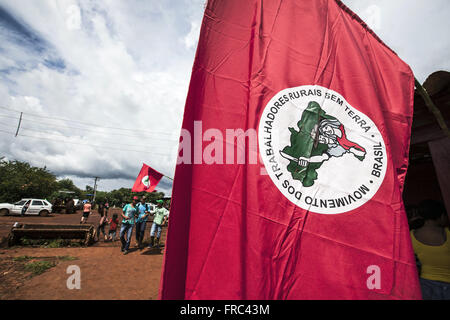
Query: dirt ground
{"x": 105, "y": 272}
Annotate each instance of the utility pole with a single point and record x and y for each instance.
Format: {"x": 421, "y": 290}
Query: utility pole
{"x": 95, "y": 188}
{"x": 20, "y": 122}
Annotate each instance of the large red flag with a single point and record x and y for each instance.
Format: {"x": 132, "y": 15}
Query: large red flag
{"x": 321, "y": 215}
{"x": 147, "y": 179}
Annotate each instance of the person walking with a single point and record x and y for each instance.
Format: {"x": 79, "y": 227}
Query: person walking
{"x": 143, "y": 212}
{"x": 70, "y": 205}
{"x": 113, "y": 223}
{"x": 86, "y": 212}
{"x": 128, "y": 215}
{"x": 160, "y": 218}
{"x": 106, "y": 207}
{"x": 103, "y": 221}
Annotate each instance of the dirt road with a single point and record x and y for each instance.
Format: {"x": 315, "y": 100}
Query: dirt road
{"x": 105, "y": 272}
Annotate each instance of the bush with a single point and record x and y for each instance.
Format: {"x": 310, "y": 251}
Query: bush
{"x": 55, "y": 243}
{"x": 22, "y": 258}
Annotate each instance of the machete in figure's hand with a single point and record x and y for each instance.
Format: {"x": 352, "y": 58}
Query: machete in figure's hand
{"x": 300, "y": 161}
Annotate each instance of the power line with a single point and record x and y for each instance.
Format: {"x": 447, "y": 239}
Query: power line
{"x": 61, "y": 135}
{"x": 87, "y": 144}
{"x": 90, "y": 130}
{"x": 7, "y": 116}
{"x": 81, "y": 122}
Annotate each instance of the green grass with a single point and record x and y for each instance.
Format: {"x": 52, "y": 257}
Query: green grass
{"x": 76, "y": 244}
{"x": 22, "y": 258}
{"x": 28, "y": 242}
{"x": 60, "y": 258}
{"x": 67, "y": 258}
{"x": 56, "y": 243}
{"x": 59, "y": 243}
{"x": 39, "y": 267}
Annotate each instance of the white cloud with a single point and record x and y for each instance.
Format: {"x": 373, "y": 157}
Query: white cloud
{"x": 73, "y": 17}
{"x": 415, "y": 30}
{"x": 191, "y": 38}
{"x": 127, "y": 64}
{"x": 123, "y": 67}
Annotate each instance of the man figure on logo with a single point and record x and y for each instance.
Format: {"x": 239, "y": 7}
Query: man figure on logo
{"x": 128, "y": 215}
{"x": 318, "y": 138}
{"x": 143, "y": 213}
{"x": 332, "y": 133}
{"x": 159, "y": 220}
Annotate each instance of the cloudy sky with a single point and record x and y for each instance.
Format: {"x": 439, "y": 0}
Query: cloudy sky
{"x": 102, "y": 84}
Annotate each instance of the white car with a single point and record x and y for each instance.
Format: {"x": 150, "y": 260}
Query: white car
{"x": 37, "y": 207}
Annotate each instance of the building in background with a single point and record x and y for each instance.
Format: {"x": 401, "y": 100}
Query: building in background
{"x": 428, "y": 174}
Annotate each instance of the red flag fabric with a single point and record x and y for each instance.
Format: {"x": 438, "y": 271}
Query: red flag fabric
{"x": 312, "y": 219}
{"x": 147, "y": 179}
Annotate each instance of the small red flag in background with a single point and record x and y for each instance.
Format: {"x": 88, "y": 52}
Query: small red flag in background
{"x": 147, "y": 180}
{"x": 332, "y": 106}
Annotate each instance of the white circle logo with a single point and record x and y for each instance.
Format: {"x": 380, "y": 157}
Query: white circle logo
{"x": 321, "y": 153}
{"x": 146, "y": 182}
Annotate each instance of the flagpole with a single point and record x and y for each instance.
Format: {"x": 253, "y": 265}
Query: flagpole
{"x": 168, "y": 177}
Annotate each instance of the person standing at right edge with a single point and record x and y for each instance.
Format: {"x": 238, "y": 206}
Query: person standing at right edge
{"x": 431, "y": 242}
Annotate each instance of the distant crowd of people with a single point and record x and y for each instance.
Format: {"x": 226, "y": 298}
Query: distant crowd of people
{"x": 430, "y": 237}
{"x": 134, "y": 216}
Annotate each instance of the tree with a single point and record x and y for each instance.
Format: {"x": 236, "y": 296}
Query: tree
{"x": 20, "y": 180}
{"x": 124, "y": 195}
{"x": 63, "y": 186}
{"x": 68, "y": 185}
